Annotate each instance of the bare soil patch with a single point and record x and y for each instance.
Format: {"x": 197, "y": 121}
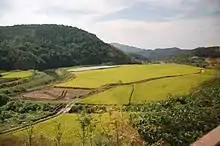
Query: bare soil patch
{"x": 53, "y": 93}
{"x": 213, "y": 60}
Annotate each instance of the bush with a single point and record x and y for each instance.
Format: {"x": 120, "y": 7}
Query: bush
{"x": 15, "y": 112}
{"x": 3, "y": 99}
{"x": 179, "y": 120}
{"x": 88, "y": 109}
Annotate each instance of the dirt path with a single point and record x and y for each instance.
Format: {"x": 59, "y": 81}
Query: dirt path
{"x": 131, "y": 95}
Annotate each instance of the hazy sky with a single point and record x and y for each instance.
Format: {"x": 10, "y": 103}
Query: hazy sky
{"x": 142, "y": 23}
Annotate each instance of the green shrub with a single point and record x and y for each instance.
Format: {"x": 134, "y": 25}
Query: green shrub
{"x": 3, "y": 99}
{"x": 179, "y": 120}
{"x": 88, "y": 109}
{"x": 16, "y": 112}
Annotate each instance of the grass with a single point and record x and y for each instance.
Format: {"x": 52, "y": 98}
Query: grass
{"x": 70, "y": 126}
{"x": 149, "y": 91}
{"x": 16, "y": 74}
{"x": 126, "y": 73}
{"x": 118, "y": 95}
{"x": 159, "y": 90}
{"x": 48, "y": 128}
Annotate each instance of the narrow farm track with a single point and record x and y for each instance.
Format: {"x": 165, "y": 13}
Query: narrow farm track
{"x": 67, "y": 108}
{"x": 62, "y": 111}
{"x": 131, "y": 95}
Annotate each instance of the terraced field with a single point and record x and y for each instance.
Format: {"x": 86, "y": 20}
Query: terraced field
{"x": 70, "y": 127}
{"x": 118, "y": 95}
{"x": 148, "y": 91}
{"x": 125, "y": 74}
{"x": 13, "y": 76}
{"x": 16, "y": 74}
{"x": 136, "y": 84}
{"x": 161, "y": 89}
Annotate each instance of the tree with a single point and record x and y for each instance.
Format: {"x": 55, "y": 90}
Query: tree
{"x": 3, "y": 99}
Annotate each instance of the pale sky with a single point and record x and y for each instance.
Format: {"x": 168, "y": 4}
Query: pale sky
{"x": 142, "y": 23}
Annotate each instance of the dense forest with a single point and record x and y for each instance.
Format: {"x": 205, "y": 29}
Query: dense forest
{"x": 52, "y": 46}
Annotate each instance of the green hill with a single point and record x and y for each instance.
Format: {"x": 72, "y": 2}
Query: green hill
{"x": 52, "y": 46}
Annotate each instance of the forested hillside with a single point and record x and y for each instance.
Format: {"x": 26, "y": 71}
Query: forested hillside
{"x": 126, "y": 48}
{"x": 52, "y": 46}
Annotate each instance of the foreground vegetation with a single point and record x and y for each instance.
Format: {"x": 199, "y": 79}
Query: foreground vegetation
{"x": 15, "y": 113}
{"x": 182, "y": 119}
{"x": 126, "y": 73}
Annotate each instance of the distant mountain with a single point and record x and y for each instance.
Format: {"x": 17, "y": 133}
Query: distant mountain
{"x": 207, "y": 52}
{"x": 201, "y": 56}
{"x": 157, "y": 54}
{"x": 161, "y": 54}
{"x": 126, "y": 48}
{"x": 52, "y": 46}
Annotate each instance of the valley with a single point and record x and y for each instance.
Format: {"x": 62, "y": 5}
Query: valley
{"x": 63, "y": 86}
{"x": 103, "y": 90}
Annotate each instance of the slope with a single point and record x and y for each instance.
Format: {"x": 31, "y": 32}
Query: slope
{"x": 52, "y": 46}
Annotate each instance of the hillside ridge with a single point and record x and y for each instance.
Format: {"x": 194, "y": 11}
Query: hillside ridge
{"x": 51, "y": 46}
{"x": 160, "y": 54}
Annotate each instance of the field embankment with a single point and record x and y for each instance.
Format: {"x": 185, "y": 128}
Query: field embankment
{"x": 154, "y": 90}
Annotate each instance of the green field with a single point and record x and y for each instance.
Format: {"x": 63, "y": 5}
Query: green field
{"x": 154, "y": 90}
{"x": 126, "y": 73}
{"x": 48, "y": 128}
{"x": 16, "y": 74}
{"x": 70, "y": 127}
{"x": 118, "y": 95}
{"x": 160, "y": 89}
{"x": 148, "y": 91}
